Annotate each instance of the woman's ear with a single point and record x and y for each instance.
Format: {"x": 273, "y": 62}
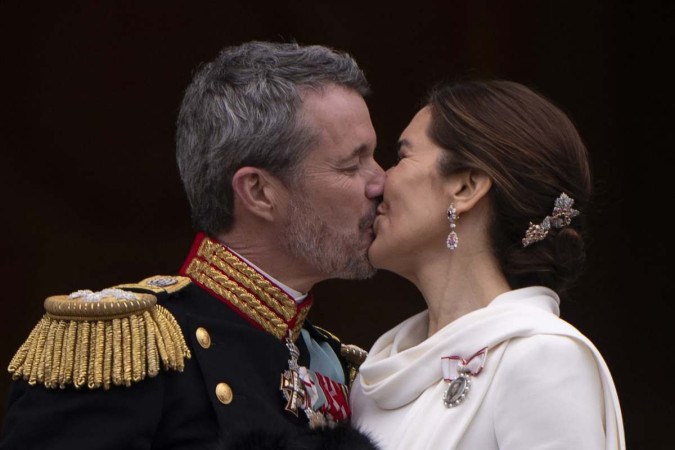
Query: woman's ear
{"x": 468, "y": 187}
{"x": 258, "y": 192}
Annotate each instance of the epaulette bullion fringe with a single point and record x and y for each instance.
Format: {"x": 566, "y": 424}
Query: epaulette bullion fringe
{"x": 98, "y": 339}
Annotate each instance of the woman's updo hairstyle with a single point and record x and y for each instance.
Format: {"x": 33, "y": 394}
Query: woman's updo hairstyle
{"x": 533, "y": 153}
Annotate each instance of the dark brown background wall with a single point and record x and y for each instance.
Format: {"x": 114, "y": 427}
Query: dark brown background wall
{"x": 91, "y": 195}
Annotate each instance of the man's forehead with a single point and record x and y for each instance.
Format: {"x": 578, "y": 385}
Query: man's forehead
{"x": 340, "y": 118}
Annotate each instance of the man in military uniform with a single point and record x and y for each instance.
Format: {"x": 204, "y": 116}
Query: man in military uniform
{"x": 275, "y": 149}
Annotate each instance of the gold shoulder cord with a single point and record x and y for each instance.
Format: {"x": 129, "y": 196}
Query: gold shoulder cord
{"x": 99, "y": 339}
{"x": 354, "y": 356}
{"x": 351, "y": 354}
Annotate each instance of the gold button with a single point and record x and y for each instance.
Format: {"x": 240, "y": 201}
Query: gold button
{"x": 224, "y": 393}
{"x": 203, "y": 337}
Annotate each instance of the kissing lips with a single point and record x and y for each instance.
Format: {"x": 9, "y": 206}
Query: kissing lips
{"x": 366, "y": 224}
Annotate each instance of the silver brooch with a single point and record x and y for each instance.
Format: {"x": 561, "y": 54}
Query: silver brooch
{"x": 457, "y": 372}
{"x": 456, "y": 391}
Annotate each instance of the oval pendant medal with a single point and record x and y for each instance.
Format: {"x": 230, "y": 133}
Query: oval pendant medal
{"x": 457, "y": 390}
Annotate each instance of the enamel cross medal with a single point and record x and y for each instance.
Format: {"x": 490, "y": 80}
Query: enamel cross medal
{"x": 294, "y": 383}
{"x": 457, "y": 372}
{"x": 291, "y": 384}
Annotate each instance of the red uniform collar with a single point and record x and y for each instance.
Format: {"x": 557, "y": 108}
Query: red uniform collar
{"x": 234, "y": 282}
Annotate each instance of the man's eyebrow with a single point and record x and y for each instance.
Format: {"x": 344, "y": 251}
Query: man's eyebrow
{"x": 358, "y": 151}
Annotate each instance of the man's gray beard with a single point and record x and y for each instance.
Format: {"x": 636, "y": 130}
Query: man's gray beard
{"x": 336, "y": 254}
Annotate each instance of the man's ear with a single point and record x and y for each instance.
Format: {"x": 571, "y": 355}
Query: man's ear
{"x": 259, "y": 192}
{"x": 468, "y": 187}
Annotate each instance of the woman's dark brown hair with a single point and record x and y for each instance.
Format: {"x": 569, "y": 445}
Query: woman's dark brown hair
{"x": 533, "y": 153}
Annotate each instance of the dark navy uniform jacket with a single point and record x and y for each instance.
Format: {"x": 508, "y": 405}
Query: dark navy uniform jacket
{"x": 174, "y": 410}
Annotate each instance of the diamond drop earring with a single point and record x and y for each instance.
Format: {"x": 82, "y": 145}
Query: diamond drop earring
{"x": 453, "y": 241}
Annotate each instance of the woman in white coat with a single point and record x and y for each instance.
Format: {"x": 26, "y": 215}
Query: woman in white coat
{"x": 484, "y": 213}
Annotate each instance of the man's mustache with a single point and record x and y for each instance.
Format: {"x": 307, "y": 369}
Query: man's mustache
{"x": 366, "y": 221}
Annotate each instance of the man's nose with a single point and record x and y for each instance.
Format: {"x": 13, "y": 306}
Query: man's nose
{"x": 375, "y": 185}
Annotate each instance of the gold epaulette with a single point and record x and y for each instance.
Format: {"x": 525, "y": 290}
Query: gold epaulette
{"x": 116, "y": 336}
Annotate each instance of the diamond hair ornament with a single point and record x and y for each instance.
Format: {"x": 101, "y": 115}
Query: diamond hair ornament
{"x": 562, "y": 216}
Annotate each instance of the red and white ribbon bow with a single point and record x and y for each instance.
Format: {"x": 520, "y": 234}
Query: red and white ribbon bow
{"x": 453, "y": 366}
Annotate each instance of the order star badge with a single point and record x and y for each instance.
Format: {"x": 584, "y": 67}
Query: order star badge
{"x": 293, "y": 390}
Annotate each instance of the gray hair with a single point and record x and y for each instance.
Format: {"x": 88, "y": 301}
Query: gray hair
{"x": 244, "y": 109}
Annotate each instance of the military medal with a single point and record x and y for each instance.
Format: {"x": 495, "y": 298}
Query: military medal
{"x": 230, "y": 279}
{"x": 291, "y": 385}
{"x": 324, "y": 401}
{"x": 457, "y": 372}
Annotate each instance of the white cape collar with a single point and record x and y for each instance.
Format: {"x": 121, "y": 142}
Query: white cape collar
{"x": 403, "y": 363}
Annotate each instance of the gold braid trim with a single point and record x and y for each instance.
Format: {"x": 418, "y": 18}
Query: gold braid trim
{"x": 137, "y": 366}
{"x": 81, "y": 355}
{"x": 284, "y": 311}
{"x": 99, "y": 358}
{"x": 66, "y": 377}
{"x": 245, "y": 275}
{"x": 231, "y": 278}
{"x": 244, "y": 301}
{"x": 152, "y": 350}
{"x": 38, "y": 356}
{"x": 177, "y": 339}
{"x": 302, "y": 315}
{"x": 100, "y": 344}
{"x": 91, "y": 372}
{"x": 126, "y": 356}
{"x": 107, "y": 355}
{"x": 166, "y": 343}
{"x": 49, "y": 350}
{"x": 58, "y": 353}
{"x": 117, "y": 352}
